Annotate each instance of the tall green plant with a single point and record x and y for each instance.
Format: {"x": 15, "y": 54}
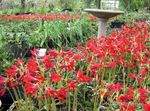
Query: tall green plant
{"x": 134, "y": 4}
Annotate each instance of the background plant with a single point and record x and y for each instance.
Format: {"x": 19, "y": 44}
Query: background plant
{"x": 19, "y": 37}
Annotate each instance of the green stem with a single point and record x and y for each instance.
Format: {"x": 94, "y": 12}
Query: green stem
{"x": 47, "y": 105}
{"x": 75, "y": 101}
{"x": 124, "y": 80}
{"x": 69, "y": 106}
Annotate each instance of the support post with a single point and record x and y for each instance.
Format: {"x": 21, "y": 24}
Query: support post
{"x": 102, "y": 27}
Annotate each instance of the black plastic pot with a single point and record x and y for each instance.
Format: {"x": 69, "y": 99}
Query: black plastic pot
{"x": 7, "y": 99}
{"x": 23, "y": 13}
{"x": 117, "y": 24}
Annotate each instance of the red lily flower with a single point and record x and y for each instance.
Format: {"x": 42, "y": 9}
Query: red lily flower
{"x": 146, "y": 107}
{"x": 61, "y": 94}
{"x": 34, "y": 52}
{"x": 2, "y": 81}
{"x": 127, "y": 107}
{"x": 132, "y": 76}
{"x": 31, "y": 89}
{"x": 32, "y": 65}
{"x": 2, "y": 92}
{"x": 51, "y": 93}
{"x": 11, "y": 72}
{"x": 143, "y": 71}
{"x": 143, "y": 95}
{"x": 115, "y": 87}
{"x": 72, "y": 85}
{"x": 83, "y": 78}
{"x": 52, "y": 53}
{"x": 55, "y": 77}
{"x": 48, "y": 63}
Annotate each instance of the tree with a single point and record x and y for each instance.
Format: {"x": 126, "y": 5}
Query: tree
{"x": 23, "y": 4}
{"x": 99, "y": 4}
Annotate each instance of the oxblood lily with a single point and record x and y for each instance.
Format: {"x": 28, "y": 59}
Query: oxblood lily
{"x": 72, "y": 85}
{"x": 33, "y": 79}
{"x": 53, "y": 54}
{"x": 115, "y": 87}
{"x": 111, "y": 64}
{"x": 143, "y": 71}
{"x": 146, "y": 107}
{"x": 34, "y": 52}
{"x": 11, "y": 72}
{"x": 2, "y": 92}
{"x": 61, "y": 94}
{"x": 48, "y": 63}
{"x": 127, "y": 107}
{"x": 32, "y": 65}
{"x": 132, "y": 76}
{"x": 55, "y": 77}
{"x": 2, "y": 81}
{"x": 83, "y": 78}
{"x": 31, "y": 89}
{"x": 143, "y": 95}
{"x": 127, "y": 97}
{"x": 52, "y": 93}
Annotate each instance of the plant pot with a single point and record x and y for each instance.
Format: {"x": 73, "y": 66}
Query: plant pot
{"x": 7, "y": 99}
{"x": 117, "y": 24}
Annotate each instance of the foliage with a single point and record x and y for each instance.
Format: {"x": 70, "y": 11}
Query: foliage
{"x": 128, "y": 18}
{"x": 106, "y": 74}
{"x": 135, "y": 4}
{"x": 19, "y": 37}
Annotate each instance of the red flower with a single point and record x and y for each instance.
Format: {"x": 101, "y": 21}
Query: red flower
{"x": 48, "y": 63}
{"x": 111, "y": 64}
{"x": 83, "y": 78}
{"x": 78, "y": 56}
{"x": 28, "y": 78}
{"x": 55, "y": 77}
{"x": 32, "y": 65}
{"x": 19, "y": 62}
{"x": 132, "y": 76}
{"x": 146, "y": 107}
{"x": 143, "y": 71}
{"x": 31, "y": 89}
{"x": 115, "y": 87}
{"x": 11, "y": 72}
{"x": 127, "y": 107}
{"x": 71, "y": 85}
{"x": 2, "y": 92}
{"x": 97, "y": 66}
{"x": 104, "y": 93}
{"x": 143, "y": 95}
{"x": 127, "y": 97}
{"x": 69, "y": 66}
{"x": 2, "y": 81}
{"x": 34, "y": 79}
{"x": 61, "y": 94}
{"x": 52, "y": 53}
{"x": 51, "y": 93}
{"x": 93, "y": 72}
{"x": 140, "y": 79}
{"x": 40, "y": 79}
{"x": 34, "y": 52}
